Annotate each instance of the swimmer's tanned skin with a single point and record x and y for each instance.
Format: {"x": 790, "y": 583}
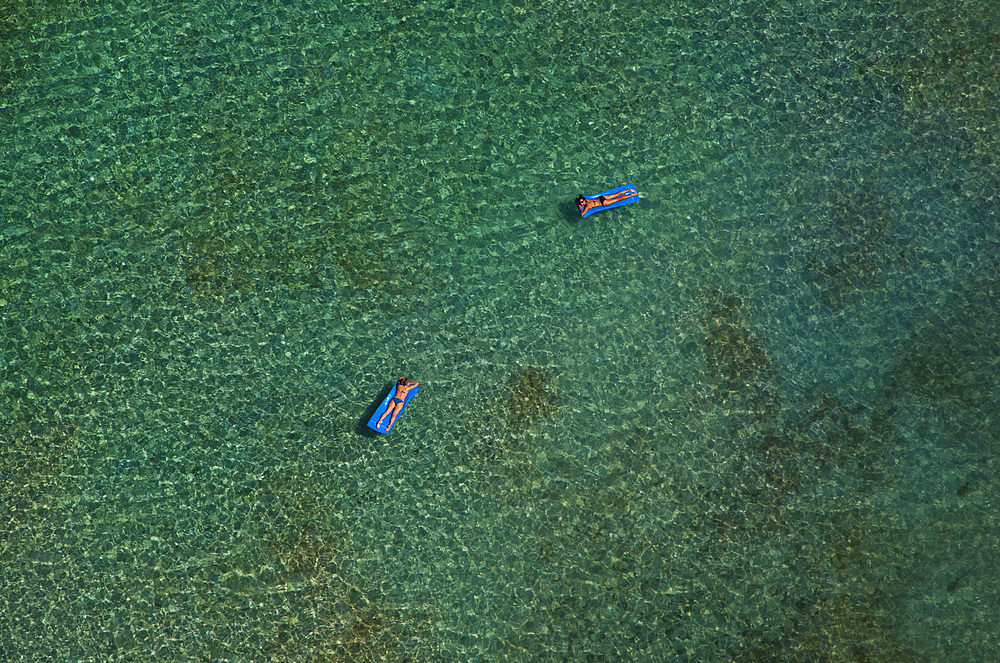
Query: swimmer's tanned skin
{"x": 403, "y": 387}
{"x": 585, "y": 203}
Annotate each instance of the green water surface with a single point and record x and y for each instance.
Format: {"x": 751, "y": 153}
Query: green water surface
{"x": 753, "y": 417}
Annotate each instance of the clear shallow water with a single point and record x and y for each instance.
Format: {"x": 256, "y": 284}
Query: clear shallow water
{"x": 751, "y": 418}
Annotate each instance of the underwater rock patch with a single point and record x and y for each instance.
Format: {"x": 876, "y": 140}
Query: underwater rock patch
{"x": 738, "y": 366}
{"x": 855, "y": 247}
{"x": 329, "y": 612}
{"x": 952, "y": 355}
{"x": 954, "y": 69}
{"x": 530, "y": 396}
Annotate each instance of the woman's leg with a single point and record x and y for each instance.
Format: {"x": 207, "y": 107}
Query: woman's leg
{"x": 395, "y": 413}
{"x": 619, "y": 196}
{"x": 392, "y": 408}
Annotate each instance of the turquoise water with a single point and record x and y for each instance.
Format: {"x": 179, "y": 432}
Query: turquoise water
{"x": 751, "y": 418}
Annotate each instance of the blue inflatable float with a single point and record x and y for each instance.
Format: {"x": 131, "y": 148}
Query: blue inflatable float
{"x": 386, "y": 425}
{"x": 623, "y": 195}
